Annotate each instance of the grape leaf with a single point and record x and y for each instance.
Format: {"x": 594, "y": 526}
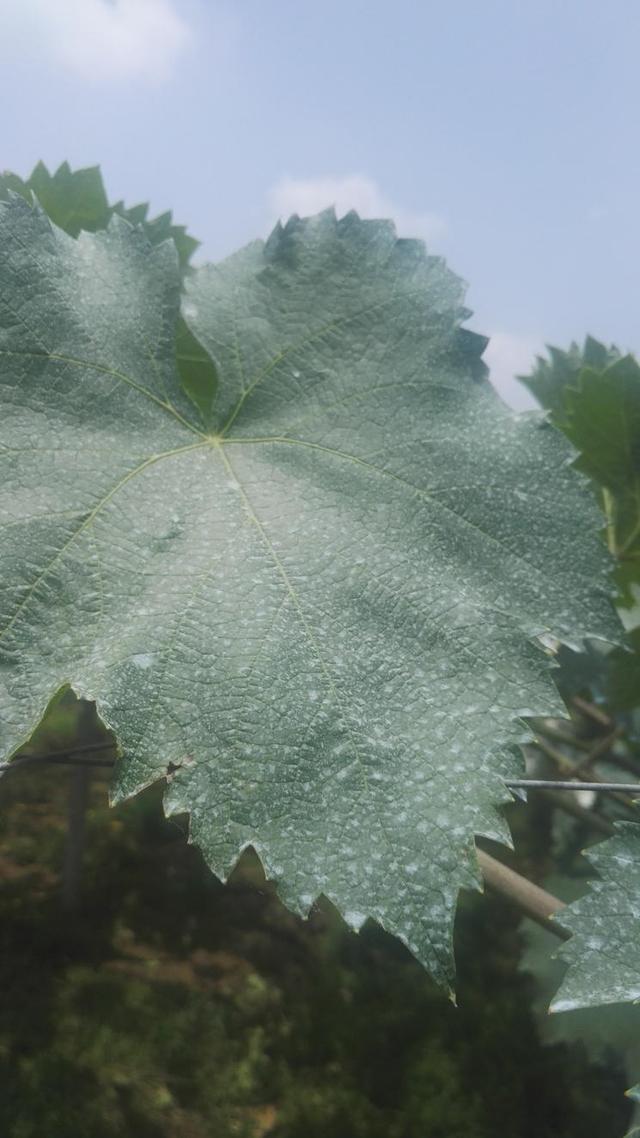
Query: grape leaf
{"x": 623, "y": 675}
{"x": 76, "y": 200}
{"x": 594, "y": 395}
{"x": 603, "y": 422}
{"x": 73, "y": 199}
{"x": 551, "y": 379}
{"x": 604, "y": 951}
{"x": 313, "y": 604}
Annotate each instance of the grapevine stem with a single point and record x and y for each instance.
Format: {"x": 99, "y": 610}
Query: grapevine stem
{"x": 533, "y": 901}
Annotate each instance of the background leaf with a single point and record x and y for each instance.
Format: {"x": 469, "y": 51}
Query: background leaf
{"x": 76, "y": 200}
{"x": 604, "y": 952}
{"x": 551, "y": 379}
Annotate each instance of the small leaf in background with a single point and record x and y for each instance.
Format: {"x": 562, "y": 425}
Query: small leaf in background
{"x": 604, "y": 951}
{"x": 197, "y": 370}
{"x": 603, "y": 423}
{"x": 551, "y": 379}
{"x": 73, "y": 199}
{"x": 594, "y": 396}
{"x": 76, "y": 200}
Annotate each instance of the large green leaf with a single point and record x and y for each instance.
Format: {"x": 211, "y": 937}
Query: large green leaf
{"x": 313, "y": 604}
{"x": 604, "y": 952}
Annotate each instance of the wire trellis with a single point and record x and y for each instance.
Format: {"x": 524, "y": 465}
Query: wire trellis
{"x": 74, "y": 757}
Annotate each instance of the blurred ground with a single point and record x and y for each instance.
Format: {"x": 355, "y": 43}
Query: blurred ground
{"x": 169, "y": 1006}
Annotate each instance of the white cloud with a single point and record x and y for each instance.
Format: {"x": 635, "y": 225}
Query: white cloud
{"x": 102, "y": 40}
{"x": 507, "y": 356}
{"x": 307, "y": 196}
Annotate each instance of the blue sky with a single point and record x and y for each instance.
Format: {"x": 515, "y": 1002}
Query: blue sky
{"x": 504, "y": 133}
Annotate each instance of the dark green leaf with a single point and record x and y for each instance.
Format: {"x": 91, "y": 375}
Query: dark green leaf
{"x": 197, "y": 370}
{"x": 603, "y": 423}
{"x": 76, "y": 200}
{"x": 604, "y": 951}
{"x": 551, "y": 378}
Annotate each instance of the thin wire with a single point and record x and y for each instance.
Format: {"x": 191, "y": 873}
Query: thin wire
{"x": 71, "y": 758}
{"x": 572, "y": 784}
{"x": 54, "y": 760}
{"x": 86, "y": 748}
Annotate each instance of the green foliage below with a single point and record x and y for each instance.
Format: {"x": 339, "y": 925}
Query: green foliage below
{"x": 286, "y": 599}
{"x": 170, "y": 1007}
